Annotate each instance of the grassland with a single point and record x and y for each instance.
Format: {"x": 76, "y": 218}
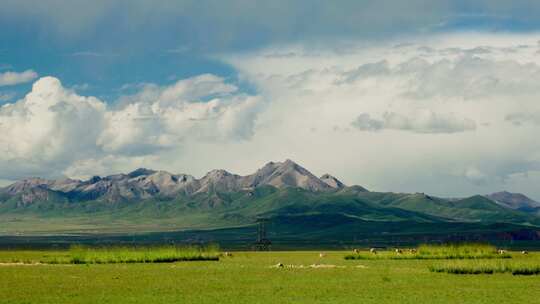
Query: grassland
{"x": 121, "y": 254}
{"x": 521, "y": 267}
{"x": 157, "y": 254}
{"x": 435, "y": 252}
{"x": 248, "y": 277}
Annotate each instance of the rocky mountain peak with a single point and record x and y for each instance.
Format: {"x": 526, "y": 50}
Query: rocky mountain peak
{"x": 219, "y": 181}
{"x": 26, "y": 184}
{"x": 140, "y": 172}
{"x": 289, "y": 163}
{"x": 515, "y": 201}
{"x": 218, "y": 173}
{"x": 94, "y": 179}
{"x": 145, "y": 183}
{"x": 332, "y": 181}
{"x": 286, "y": 174}
{"x": 64, "y": 185}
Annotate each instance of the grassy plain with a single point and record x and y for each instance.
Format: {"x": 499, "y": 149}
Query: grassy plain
{"x": 248, "y": 277}
{"x": 435, "y": 252}
{"x": 79, "y": 254}
{"x": 520, "y": 267}
{"x": 153, "y": 254}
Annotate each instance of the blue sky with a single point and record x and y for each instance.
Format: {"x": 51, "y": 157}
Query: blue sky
{"x": 98, "y": 87}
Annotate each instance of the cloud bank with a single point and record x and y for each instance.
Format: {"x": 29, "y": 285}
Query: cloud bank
{"x": 523, "y": 118}
{"x": 443, "y": 114}
{"x": 53, "y": 130}
{"x": 439, "y": 111}
{"x": 422, "y": 122}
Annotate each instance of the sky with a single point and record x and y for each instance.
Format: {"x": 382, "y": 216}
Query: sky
{"x": 441, "y": 97}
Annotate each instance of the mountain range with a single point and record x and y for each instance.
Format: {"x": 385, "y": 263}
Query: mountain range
{"x": 300, "y": 204}
{"x": 144, "y": 184}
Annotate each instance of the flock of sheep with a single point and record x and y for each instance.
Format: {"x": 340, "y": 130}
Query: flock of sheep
{"x": 413, "y": 251}
{"x": 502, "y": 251}
{"x": 357, "y": 251}
{"x": 397, "y": 251}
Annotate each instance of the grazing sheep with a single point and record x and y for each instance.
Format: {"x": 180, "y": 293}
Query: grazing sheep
{"x": 324, "y": 266}
{"x": 502, "y": 251}
{"x": 398, "y": 251}
{"x": 227, "y": 254}
{"x": 373, "y": 250}
{"x": 322, "y": 255}
{"x": 524, "y": 252}
{"x": 357, "y": 251}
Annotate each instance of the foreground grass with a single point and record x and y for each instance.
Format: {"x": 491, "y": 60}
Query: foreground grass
{"x": 247, "y": 277}
{"x": 488, "y": 267}
{"x": 435, "y": 252}
{"x": 114, "y": 255}
{"x": 162, "y": 254}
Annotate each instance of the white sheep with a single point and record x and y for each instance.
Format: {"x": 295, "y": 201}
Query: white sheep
{"x": 524, "y": 252}
{"x": 373, "y": 250}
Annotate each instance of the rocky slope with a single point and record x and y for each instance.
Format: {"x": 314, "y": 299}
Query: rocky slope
{"x": 516, "y": 201}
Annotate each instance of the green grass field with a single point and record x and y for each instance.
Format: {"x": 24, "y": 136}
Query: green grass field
{"x": 435, "y": 252}
{"x": 251, "y": 277}
{"x": 79, "y": 254}
{"x": 520, "y": 267}
{"x": 156, "y": 254}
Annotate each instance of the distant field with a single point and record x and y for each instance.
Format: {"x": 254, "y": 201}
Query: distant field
{"x": 252, "y": 277}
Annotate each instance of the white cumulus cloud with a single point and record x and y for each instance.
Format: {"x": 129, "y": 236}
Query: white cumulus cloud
{"x": 50, "y": 127}
{"x": 6, "y": 96}
{"x": 448, "y": 100}
{"x": 423, "y": 121}
{"x": 201, "y": 108}
{"x": 53, "y": 131}
{"x": 523, "y": 118}
{"x": 13, "y": 78}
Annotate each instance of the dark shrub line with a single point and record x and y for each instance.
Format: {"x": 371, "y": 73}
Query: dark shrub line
{"x": 487, "y": 269}
{"x": 129, "y": 255}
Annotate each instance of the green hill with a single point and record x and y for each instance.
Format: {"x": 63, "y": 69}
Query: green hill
{"x": 298, "y": 204}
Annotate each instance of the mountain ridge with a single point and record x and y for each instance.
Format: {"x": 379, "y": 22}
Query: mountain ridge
{"x": 146, "y": 199}
{"x": 143, "y": 183}
{"x": 516, "y": 201}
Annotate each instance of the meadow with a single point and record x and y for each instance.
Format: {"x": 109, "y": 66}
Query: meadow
{"x": 519, "y": 267}
{"x": 435, "y": 252}
{"x": 155, "y": 254}
{"x": 253, "y": 277}
{"x": 79, "y": 254}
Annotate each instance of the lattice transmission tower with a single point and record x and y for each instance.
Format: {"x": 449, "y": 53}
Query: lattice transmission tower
{"x": 262, "y": 243}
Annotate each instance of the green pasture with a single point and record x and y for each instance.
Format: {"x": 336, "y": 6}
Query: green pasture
{"x": 261, "y": 277}
{"x": 434, "y": 252}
